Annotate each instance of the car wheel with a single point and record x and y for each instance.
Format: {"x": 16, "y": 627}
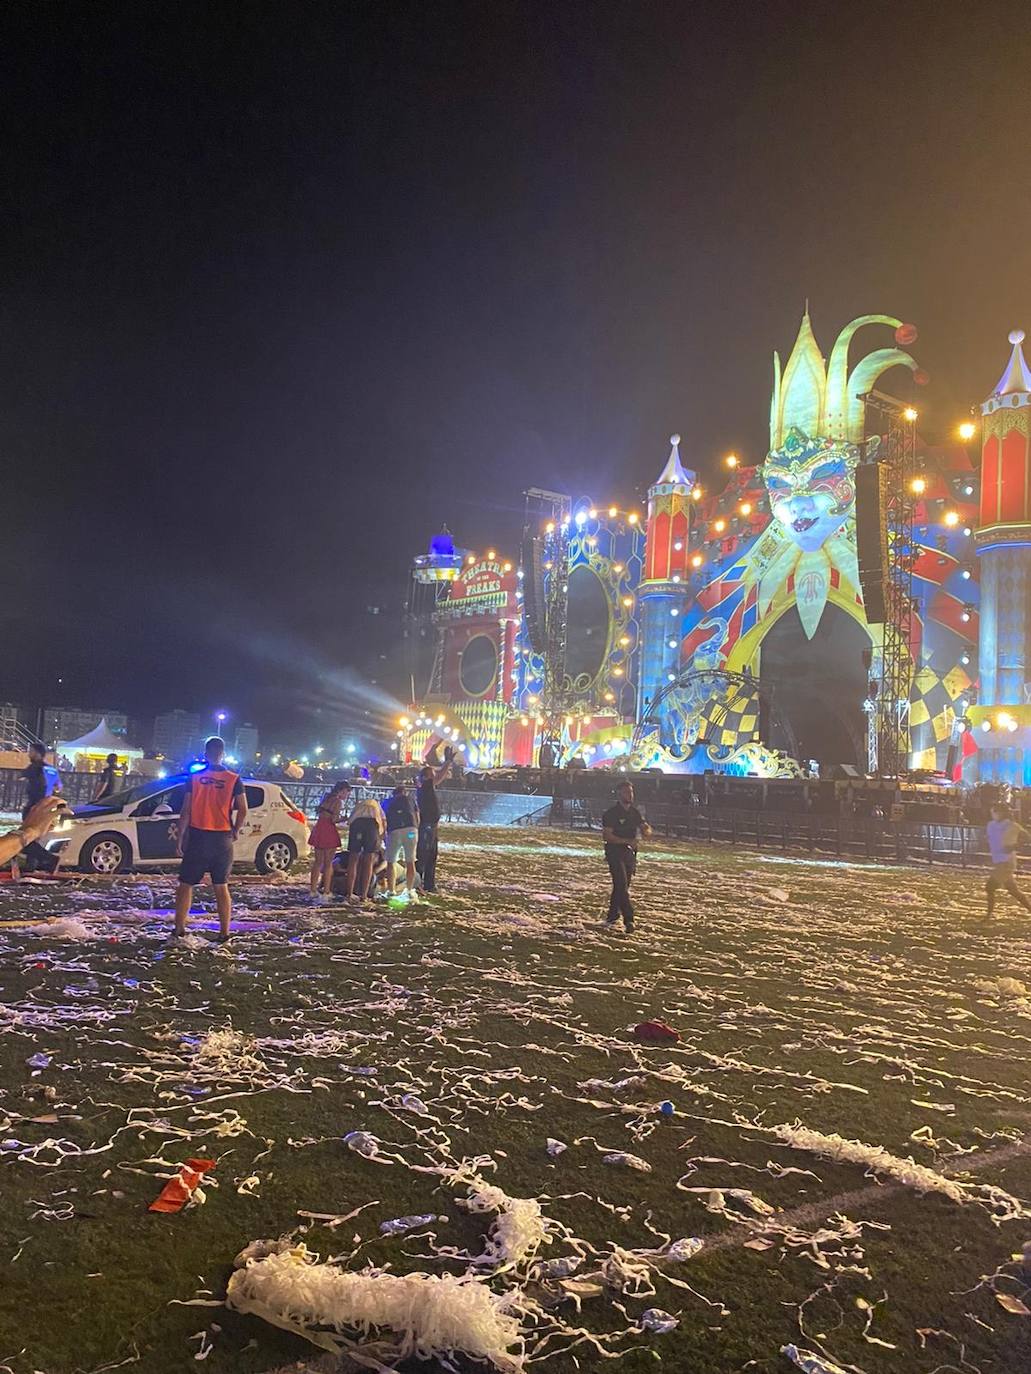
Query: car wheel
{"x": 276, "y": 854}
{"x": 107, "y": 853}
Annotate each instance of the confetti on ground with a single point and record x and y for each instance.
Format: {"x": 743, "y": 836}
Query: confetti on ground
{"x": 432, "y": 1130}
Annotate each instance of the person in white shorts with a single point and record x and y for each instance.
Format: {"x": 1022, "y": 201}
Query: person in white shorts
{"x": 402, "y": 815}
{"x": 1004, "y": 834}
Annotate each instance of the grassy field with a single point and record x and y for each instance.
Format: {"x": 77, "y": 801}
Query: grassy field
{"x": 869, "y": 1002}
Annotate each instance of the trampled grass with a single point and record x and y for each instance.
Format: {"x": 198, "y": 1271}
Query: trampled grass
{"x": 872, "y": 1003}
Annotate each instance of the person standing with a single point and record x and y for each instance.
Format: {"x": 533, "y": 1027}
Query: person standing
{"x": 108, "y": 779}
{"x": 621, "y": 826}
{"x": 325, "y": 839}
{"x": 364, "y": 838}
{"x": 1004, "y": 834}
{"x": 402, "y": 815}
{"x": 428, "y": 805}
{"x": 41, "y": 780}
{"x": 214, "y": 809}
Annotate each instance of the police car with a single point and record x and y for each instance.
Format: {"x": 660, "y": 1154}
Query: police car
{"x": 137, "y": 828}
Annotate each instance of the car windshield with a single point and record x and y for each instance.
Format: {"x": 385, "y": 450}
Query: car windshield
{"x": 135, "y": 794}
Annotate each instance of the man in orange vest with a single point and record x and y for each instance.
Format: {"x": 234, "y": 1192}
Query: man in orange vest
{"x": 214, "y": 809}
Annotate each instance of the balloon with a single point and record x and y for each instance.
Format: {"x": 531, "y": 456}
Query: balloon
{"x": 906, "y": 334}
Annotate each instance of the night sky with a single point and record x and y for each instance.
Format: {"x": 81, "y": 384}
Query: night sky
{"x": 283, "y": 287}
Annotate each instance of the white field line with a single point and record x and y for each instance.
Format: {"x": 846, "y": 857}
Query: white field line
{"x": 858, "y": 1197}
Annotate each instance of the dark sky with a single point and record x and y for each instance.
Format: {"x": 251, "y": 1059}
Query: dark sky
{"x": 282, "y": 287}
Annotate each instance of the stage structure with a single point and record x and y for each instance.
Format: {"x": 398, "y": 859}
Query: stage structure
{"x": 1002, "y": 719}
{"x": 821, "y": 603}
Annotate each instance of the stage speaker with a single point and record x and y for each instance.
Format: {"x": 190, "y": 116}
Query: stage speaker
{"x": 872, "y": 537}
{"x": 533, "y": 592}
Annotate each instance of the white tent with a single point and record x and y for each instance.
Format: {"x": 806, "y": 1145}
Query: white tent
{"x": 97, "y": 744}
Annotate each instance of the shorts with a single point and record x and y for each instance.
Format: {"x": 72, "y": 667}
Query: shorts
{"x": 1003, "y": 874}
{"x": 363, "y": 836}
{"x": 207, "y": 851}
{"x": 401, "y": 844}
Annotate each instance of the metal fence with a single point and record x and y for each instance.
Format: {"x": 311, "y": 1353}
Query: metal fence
{"x": 825, "y": 834}
{"x": 845, "y": 837}
{"x": 456, "y": 805}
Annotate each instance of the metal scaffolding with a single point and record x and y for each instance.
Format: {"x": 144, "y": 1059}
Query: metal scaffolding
{"x": 893, "y": 423}
{"x": 546, "y": 600}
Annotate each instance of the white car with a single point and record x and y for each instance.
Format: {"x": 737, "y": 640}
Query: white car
{"x": 137, "y": 829}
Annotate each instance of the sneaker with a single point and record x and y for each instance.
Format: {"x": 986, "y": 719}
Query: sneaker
{"x": 629, "y": 925}
{"x": 610, "y": 921}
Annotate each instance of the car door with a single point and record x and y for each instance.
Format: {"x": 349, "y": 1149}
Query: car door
{"x": 255, "y": 824}
{"x": 157, "y": 825}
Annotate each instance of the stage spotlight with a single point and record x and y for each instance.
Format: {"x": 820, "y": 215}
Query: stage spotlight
{"x": 909, "y": 414}
{"x": 967, "y": 430}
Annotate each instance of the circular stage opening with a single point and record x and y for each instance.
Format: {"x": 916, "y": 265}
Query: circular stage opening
{"x": 587, "y": 634}
{"x": 479, "y": 665}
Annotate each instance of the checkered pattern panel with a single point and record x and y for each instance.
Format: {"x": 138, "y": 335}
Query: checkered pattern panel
{"x": 730, "y": 718}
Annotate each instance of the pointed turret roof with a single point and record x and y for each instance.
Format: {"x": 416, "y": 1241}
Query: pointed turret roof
{"x": 1017, "y": 377}
{"x": 674, "y": 473}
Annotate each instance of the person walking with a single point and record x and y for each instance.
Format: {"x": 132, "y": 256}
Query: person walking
{"x": 214, "y": 809}
{"x": 108, "y": 779}
{"x": 621, "y": 826}
{"x": 41, "y": 780}
{"x": 1004, "y": 834}
{"x": 428, "y": 804}
{"x": 402, "y": 813}
{"x": 364, "y": 838}
{"x": 325, "y": 840}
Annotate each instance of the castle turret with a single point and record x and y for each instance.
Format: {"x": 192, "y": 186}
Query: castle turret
{"x": 1003, "y": 717}
{"x": 662, "y": 589}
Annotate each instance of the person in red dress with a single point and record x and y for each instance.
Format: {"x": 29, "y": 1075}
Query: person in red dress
{"x": 325, "y": 839}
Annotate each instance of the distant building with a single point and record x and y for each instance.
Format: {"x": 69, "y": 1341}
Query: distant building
{"x": 246, "y": 746}
{"x": 11, "y": 726}
{"x": 71, "y": 722}
{"x": 177, "y": 735}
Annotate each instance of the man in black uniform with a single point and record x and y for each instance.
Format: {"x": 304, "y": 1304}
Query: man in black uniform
{"x": 429, "y": 819}
{"x": 41, "y": 780}
{"x": 620, "y": 827}
{"x": 108, "y": 784}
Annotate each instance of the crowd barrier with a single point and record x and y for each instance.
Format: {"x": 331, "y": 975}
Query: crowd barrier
{"x": 836, "y": 836}
{"x": 456, "y": 805}
{"x": 842, "y": 837}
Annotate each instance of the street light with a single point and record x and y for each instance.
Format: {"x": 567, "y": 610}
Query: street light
{"x": 967, "y": 430}
{"x": 220, "y": 717}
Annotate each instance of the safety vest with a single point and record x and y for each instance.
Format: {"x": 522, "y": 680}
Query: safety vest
{"x": 211, "y": 799}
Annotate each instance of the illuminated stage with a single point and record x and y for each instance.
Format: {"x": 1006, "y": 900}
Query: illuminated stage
{"x": 824, "y": 604}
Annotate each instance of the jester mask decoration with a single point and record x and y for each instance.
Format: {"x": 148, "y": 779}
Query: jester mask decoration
{"x": 811, "y": 487}
{"x": 809, "y": 552}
